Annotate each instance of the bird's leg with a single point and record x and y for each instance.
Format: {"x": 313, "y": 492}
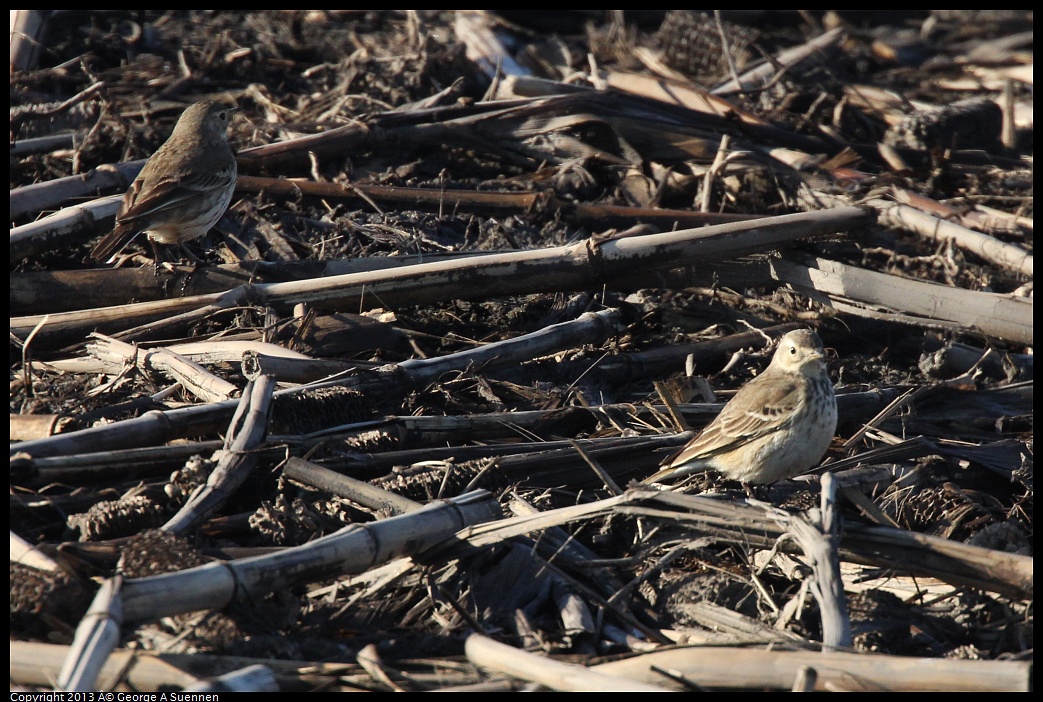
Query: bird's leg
{"x": 757, "y": 492}
{"x": 191, "y": 256}
{"x": 155, "y": 256}
{"x": 197, "y": 262}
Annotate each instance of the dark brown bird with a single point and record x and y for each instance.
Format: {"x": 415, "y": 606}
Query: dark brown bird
{"x": 183, "y": 189}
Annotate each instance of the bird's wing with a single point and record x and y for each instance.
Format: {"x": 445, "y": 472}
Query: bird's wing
{"x": 162, "y": 194}
{"x": 767, "y": 408}
{"x": 758, "y": 409}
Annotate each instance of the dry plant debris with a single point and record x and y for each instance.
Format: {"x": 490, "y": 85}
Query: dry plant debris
{"x": 481, "y": 273}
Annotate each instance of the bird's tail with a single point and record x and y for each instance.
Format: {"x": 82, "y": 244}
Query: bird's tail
{"x": 657, "y": 476}
{"x": 671, "y": 469}
{"x": 113, "y": 242}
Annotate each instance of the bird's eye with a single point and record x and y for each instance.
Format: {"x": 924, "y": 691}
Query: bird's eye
{"x": 793, "y": 350}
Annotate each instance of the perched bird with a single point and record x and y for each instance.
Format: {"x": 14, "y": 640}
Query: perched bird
{"x": 777, "y": 426}
{"x": 183, "y": 189}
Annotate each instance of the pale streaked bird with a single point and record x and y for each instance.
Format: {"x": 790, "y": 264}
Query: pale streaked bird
{"x": 183, "y": 189}
{"x": 775, "y": 427}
